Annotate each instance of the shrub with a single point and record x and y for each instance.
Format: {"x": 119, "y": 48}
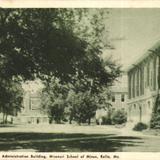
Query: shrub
{"x": 56, "y": 113}
{"x": 140, "y": 126}
{"x": 155, "y": 121}
{"x": 119, "y": 117}
{"x": 107, "y": 119}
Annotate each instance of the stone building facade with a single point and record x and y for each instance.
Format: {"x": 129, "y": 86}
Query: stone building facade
{"x": 143, "y": 87}
{"x": 117, "y": 97}
{"x": 32, "y": 113}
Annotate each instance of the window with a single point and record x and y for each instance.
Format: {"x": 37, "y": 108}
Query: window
{"x": 149, "y": 104}
{"x": 122, "y": 98}
{"x": 113, "y": 98}
{"x": 34, "y": 103}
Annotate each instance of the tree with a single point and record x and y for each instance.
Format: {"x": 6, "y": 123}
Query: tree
{"x": 72, "y": 102}
{"x": 54, "y": 100}
{"x": 155, "y": 119}
{"x": 92, "y": 73}
{"x": 11, "y": 97}
{"x": 62, "y": 43}
{"x": 36, "y": 42}
{"x": 119, "y": 117}
{"x": 56, "y": 110}
{"x": 83, "y": 107}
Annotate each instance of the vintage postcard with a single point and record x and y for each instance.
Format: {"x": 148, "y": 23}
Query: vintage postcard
{"x": 80, "y": 80}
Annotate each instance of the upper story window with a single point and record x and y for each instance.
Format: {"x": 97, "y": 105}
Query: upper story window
{"x": 113, "y": 98}
{"x": 122, "y": 97}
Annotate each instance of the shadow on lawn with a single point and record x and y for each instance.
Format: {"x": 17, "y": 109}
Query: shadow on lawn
{"x": 6, "y": 125}
{"x": 50, "y": 142}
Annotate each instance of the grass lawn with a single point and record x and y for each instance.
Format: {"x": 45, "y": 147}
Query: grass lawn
{"x": 52, "y": 142}
{"x": 155, "y": 132}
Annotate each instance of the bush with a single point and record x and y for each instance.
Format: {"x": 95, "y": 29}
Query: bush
{"x": 107, "y": 119}
{"x": 140, "y": 126}
{"x": 56, "y": 113}
{"x": 119, "y": 117}
{"x": 155, "y": 121}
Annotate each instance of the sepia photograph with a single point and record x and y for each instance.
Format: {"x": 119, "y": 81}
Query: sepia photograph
{"x": 79, "y": 80}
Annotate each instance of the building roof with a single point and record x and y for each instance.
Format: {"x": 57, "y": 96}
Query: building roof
{"x": 145, "y": 55}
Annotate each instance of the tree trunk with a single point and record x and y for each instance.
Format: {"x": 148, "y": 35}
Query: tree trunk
{"x": 79, "y": 122}
{"x": 3, "y": 117}
{"x": 6, "y": 119}
{"x": 70, "y": 120}
{"x": 70, "y": 117}
{"x": 89, "y": 121}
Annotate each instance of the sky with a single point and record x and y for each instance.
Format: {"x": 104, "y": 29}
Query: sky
{"x": 132, "y": 32}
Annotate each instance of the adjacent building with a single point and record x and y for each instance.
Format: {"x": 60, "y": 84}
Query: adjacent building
{"x": 117, "y": 98}
{"x": 31, "y": 112}
{"x": 119, "y": 94}
{"x": 143, "y": 86}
